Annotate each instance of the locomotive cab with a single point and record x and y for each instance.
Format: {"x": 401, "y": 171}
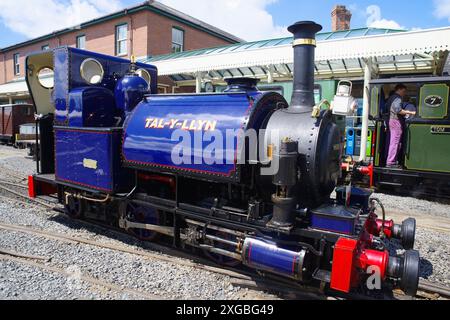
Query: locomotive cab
{"x": 76, "y": 94}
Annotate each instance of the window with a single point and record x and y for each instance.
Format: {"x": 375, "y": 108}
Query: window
{"x": 16, "y": 58}
{"x": 25, "y": 111}
{"x": 121, "y": 39}
{"x": 45, "y": 47}
{"x": 177, "y": 40}
{"x": 317, "y": 93}
{"x": 81, "y": 42}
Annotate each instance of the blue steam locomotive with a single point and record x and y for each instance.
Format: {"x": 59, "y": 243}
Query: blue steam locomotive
{"x": 241, "y": 176}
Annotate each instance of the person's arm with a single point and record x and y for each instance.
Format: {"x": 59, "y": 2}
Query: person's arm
{"x": 407, "y": 112}
{"x": 397, "y": 107}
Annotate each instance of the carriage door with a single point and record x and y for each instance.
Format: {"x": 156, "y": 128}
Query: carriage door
{"x": 6, "y": 122}
{"x": 428, "y": 139}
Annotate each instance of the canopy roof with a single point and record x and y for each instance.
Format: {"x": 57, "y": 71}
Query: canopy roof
{"x": 338, "y": 54}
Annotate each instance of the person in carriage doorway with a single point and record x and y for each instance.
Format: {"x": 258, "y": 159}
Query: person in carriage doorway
{"x": 397, "y": 114}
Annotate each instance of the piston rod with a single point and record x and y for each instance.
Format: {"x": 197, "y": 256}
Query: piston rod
{"x": 221, "y": 252}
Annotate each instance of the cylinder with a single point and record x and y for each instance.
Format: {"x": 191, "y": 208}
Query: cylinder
{"x": 304, "y": 57}
{"x": 269, "y": 257}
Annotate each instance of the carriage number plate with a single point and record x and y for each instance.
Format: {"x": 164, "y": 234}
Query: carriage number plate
{"x": 440, "y": 130}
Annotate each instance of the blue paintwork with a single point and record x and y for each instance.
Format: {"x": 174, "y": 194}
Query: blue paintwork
{"x": 359, "y": 198}
{"x": 91, "y": 107}
{"x": 267, "y": 256}
{"x": 153, "y": 147}
{"x": 67, "y": 62}
{"x": 61, "y": 87}
{"x": 74, "y": 146}
{"x": 129, "y": 91}
{"x": 334, "y": 219}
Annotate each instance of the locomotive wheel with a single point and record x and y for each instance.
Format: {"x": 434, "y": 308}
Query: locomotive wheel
{"x": 220, "y": 259}
{"x": 74, "y": 207}
{"x": 142, "y": 214}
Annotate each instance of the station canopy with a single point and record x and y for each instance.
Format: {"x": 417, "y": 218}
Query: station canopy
{"x": 338, "y": 54}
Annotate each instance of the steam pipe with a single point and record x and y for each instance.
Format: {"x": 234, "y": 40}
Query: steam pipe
{"x": 304, "y": 57}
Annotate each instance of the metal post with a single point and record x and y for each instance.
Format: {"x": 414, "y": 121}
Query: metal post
{"x": 198, "y": 82}
{"x": 366, "y": 105}
{"x": 270, "y": 71}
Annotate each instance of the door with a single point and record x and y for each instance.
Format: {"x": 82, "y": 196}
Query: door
{"x": 428, "y": 147}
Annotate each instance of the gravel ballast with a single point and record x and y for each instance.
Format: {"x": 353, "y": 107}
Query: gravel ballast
{"x": 159, "y": 278}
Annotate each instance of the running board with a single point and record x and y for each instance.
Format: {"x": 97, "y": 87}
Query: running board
{"x": 392, "y": 184}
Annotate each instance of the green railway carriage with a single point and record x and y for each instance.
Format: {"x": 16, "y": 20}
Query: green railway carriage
{"x": 425, "y": 151}
{"x": 324, "y": 89}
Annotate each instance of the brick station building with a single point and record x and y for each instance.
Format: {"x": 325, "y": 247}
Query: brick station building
{"x": 145, "y": 30}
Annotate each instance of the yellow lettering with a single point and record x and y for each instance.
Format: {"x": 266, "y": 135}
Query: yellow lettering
{"x": 148, "y": 122}
{"x": 154, "y": 124}
{"x": 173, "y": 123}
{"x": 192, "y": 127}
{"x": 201, "y": 123}
{"x": 211, "y": 125}
{"x": 185, "y": 125}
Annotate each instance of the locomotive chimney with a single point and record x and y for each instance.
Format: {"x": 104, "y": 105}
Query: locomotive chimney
{"x": 304, "y": 54}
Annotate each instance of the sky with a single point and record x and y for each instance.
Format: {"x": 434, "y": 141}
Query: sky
{"x": 21, "y": 20}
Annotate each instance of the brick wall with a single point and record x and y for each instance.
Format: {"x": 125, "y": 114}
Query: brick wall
{"x": 160, "y": 36}
{"x": 2, "y": 68}
{"x": 148, "y": 34}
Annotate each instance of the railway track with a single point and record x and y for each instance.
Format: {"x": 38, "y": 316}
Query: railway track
{"x": 12, "y": 175}
{"x": 427, "y": 290}
{"x": 6, "y": 187}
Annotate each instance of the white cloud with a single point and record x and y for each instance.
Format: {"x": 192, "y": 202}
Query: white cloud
{"x": 375, "y": 20}
{"x": 38, "y": 17}
{"x": 248, "y": 19}
{"x": 442, "y": 9}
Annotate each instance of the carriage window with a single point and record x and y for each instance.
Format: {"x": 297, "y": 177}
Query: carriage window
{"x": 26, "y": 111}
{"x": 277, "y": 89}
{"x": 317, "y": 93}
